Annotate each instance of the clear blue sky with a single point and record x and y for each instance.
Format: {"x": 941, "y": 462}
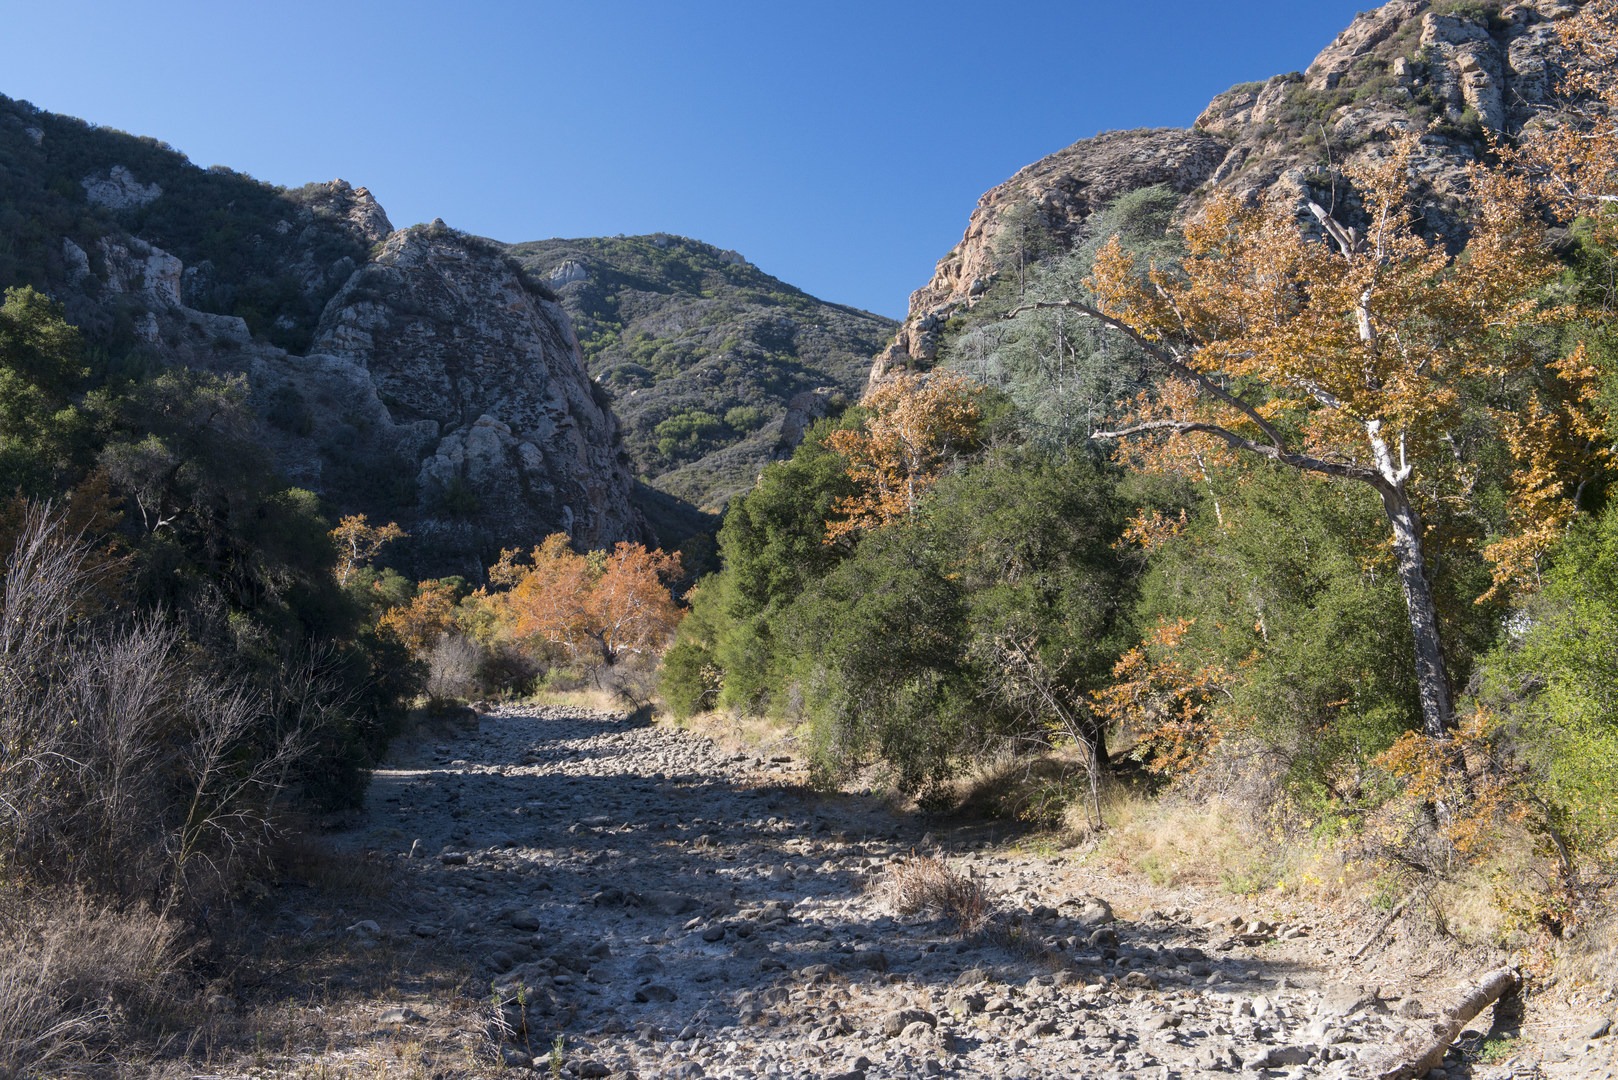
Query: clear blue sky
{"x": 838, "y": 145}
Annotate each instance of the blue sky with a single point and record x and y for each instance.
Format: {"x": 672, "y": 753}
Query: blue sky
{"x": 838, "y": 145}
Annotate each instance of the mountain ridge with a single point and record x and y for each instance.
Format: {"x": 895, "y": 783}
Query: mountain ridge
{"x": 713, "y": 365}
{"x": 1455, "y": 72}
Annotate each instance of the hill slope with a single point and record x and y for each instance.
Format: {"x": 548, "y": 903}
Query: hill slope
{"x": 418, "y": 375}
{"x": 713, "y": 365}
{"x": 1453, "y": 71}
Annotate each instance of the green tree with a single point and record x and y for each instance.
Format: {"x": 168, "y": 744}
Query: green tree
{"x": 1553, "y": 685}
{"x": 981, "y": 622}
{"x": 1286, "y": 597}
{"x": 772, "y": 545}
{"x": 43, "y": 434}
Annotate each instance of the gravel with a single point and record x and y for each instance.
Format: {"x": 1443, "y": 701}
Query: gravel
{"x": 675, "y": 910}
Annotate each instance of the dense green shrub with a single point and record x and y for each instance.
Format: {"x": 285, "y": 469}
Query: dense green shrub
{"x": 897, "y": 646}
{"x": 1554, "y": 683}
{"x": 1289, "y": 593}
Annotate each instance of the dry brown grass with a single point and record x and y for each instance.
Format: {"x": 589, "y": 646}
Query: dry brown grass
{"x": 584, "y": 697}
{"x": 1225, "y": 844}
{"x": 915, "y": 884}
{"x": 1042, "y": 791}
{"x": 76, "y": 978}
{"x": 740, "y": 734}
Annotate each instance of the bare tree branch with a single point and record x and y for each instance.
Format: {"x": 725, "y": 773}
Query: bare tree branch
{"x": 1163, "y": 355}
{"x": 1307, "y": 462}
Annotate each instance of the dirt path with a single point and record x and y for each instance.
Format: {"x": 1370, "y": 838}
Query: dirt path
{"x": 671, "y": 910}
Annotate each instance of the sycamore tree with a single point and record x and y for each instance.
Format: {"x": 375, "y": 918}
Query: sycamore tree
{"x": 914, "y": 425}
{"x": 1356, "y": 353}
{"x": 358, "y": 542}
{"x": 611, "y": 603}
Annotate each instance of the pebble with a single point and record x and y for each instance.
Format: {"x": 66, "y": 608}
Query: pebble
{"x": 674, "y": 910}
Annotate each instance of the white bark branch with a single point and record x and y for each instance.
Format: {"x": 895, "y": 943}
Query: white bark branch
{"x": 1164, "y": 356}
{"x": 1241, "y": 442}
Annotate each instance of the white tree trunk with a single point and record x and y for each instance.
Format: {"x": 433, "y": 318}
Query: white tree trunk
{"x": 1423, "y": 1049}
{"x": 1432, "y": 681}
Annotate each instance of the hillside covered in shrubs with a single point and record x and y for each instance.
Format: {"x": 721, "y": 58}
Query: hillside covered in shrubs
{"x": 714, "y": 366}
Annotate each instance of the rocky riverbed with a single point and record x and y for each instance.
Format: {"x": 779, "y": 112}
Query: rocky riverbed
{"x": 632, "y": 900}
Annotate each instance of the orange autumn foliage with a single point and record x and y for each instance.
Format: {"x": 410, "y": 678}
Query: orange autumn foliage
{"x": 1573, "y": 153}
{"x": 1558, "y": 445}
{"x": 358, "y": 542}
{"x": 428, "y": 616}
{"x": 613, "y": 602}
{"x": 916, "y": 423}
{"x": 1166, "y": 701}
{"x": 1336, "y": 341}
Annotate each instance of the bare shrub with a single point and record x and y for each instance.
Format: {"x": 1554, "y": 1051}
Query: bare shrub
{"x": 632, "y": 681}
{"x": 125, "y": 768}
{"x": 926, "y": 883}
{"x": 452, "y": 667}
{"x": 505, "y": 668}
{"x": 73, "y": 975}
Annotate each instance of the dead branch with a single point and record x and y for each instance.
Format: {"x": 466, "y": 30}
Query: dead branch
{"x": 1383, "y": 926}
{"x": 1421, "y": 1049}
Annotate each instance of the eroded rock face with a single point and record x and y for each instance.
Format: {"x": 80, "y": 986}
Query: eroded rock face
{"x": 440, "y": 389}
{"x": 452, "y": 337}
{"x": 118, "y": 189}
{"x": 354, "y": 205}
{"x": 1402, "y": 68}
{"x": 1062, "y": 191}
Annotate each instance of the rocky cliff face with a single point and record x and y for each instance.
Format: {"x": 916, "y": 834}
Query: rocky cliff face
{"x": 1053, "y": 198}
{"x": 418, "y": 375}
{"x": 442, "y": 388}
{"x": 1450, "y": 70}
{"x": 483, "y": 369}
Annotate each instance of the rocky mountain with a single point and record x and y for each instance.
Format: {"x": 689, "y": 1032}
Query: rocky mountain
{"x": 420, "y": 375}
{"x": 714, "y": 367}
{"x": 1454, "y": 71}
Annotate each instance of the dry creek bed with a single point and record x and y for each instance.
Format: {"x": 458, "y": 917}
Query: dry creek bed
{"x": 669, "y": 909}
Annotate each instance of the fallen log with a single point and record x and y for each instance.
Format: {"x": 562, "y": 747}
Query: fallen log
{"x": 1423, "y": 1048}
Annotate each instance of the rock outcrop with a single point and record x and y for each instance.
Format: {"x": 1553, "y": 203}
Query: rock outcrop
{"x": 418, "y": 375}
{"x": 118, "y": 190}
{"x": 356, "y": 207}
{"x": 1453, "y": 73}
{"x": 457, "y": 342}
{"x": 441, "y": 389}
{"x": 1056, "y": 195}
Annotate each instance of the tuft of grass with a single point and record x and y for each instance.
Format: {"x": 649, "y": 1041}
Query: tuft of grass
{"x": 1498, "y": 1049}
{"x": 75, "y": 976}
{"x": 738, "y": 733}
{"x": 1045, "y": 791}
{"x": 1218, "y": 843}
{"x": 926, "y": 883}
